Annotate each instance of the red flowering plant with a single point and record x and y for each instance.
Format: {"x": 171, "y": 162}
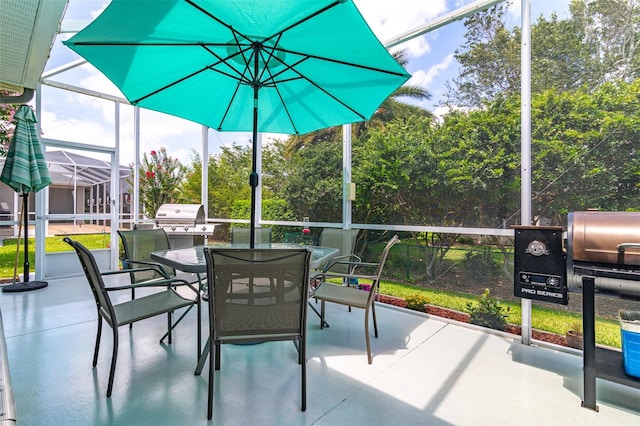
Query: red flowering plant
{"x": 6, "y": 124}
{"x": 160, "y": 178}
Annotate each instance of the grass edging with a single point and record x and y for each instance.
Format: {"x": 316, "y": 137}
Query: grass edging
{"x": 543, "y": 318}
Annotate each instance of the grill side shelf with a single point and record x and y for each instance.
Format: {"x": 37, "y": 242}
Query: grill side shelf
{"x": 609, "y": 366}
{"x": 598, "y": 362}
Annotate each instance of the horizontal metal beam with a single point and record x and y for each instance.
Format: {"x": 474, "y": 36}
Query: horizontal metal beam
{"x": 56, "y": 143}
{"x": 76, "y": 89}
{"x": 441, "y": 21}
{"x": 403, "y": 228}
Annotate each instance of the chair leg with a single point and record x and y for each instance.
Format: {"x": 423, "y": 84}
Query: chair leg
{"x": 133, "y": 296}
{"x": 199, "y": 326}
{"x": 313, "y": 308}
{"x": 114, "y": 359}
{"x": 171, "y": 327}
{"x": 97, "y": 346}
{"x": 217, "y": 345}
{"x": 202, "y": 358}
{"x": 366, "y": 334}
{"x": 303, "y": 358}
{"x": 211, "y": 376}
{"x": 375, "y": 323}
{"x": 321, "y": 314}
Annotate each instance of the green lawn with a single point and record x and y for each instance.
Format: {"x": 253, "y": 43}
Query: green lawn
{"x": 54, "y": 244}
{"x": 544, "y": 319}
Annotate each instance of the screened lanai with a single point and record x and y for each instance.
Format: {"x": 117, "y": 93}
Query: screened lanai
{"x": 130, "y": 131}
{"x": 128, "y": 128}
{"x": 80, "y": 185}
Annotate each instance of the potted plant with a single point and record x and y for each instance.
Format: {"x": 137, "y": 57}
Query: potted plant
{"x": 574, "y": 335}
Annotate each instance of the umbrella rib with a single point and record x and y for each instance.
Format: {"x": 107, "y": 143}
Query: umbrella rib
{"x": 236, "y": 34}
{"x": 226, "y": 112}
{"x": 211, "y": 67}
{"x": 284, "y": 106}
{"x": 215, "y": 18}
{"x": 173, "y": 83}
{"x": 316, "y": 85}
{"x": 332, "y": 96}
{"x": 266, "y": 69}
{"x": 306, "y": 18}
{"x": 337, "y": 61}
{"x": 240, "y": 76}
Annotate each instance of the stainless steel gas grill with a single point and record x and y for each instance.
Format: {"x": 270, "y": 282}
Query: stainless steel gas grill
{"x": 603, "y": 256}
{"x": 184, "y": 224}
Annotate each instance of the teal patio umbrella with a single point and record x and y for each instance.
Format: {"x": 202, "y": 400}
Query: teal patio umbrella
{"x": 25, "y": 171}
{"x": 277, "y": 66}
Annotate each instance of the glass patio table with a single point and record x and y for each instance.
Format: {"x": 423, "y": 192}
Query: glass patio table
{"x": 191, "y": 259}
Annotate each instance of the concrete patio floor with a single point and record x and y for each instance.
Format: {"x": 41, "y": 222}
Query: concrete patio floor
{"x": 425, "y": 371}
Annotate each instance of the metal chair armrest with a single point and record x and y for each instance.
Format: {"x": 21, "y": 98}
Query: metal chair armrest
{"x": 129, "y": 270}
{"x": 352, "y": 258}
{"x": 156, "y": 283}
{"x": 156, "y": 265}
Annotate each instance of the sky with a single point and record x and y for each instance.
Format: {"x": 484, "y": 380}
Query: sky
{"x": 83, "y": 119}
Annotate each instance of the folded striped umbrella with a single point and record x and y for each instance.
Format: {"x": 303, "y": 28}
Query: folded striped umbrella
{"x": 25, "y": 169}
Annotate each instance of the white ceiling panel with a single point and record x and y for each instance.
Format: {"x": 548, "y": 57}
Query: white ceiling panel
{"x": 27, "y": 30}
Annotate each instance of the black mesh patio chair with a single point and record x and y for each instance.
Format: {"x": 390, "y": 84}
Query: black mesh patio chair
{"x": 256, "y": 310}
{"x": 163, "y": 301}
{"x": 345, "y": 241}
{"x": 243, "y": 235}
{"x": 137, "y": 245}
{"x": 353, "y": 296}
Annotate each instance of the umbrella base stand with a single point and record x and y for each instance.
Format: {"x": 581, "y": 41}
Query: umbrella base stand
{"x": 26, "y": 286}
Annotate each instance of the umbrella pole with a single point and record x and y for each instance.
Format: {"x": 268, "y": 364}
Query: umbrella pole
{"x": 15, "y": 264}
{"x": 26, "y": 285}
{"x": 253, "y": 178}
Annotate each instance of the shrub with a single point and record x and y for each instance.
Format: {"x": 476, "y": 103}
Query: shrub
{"x": 480, "y": 264}
{"x": 466, "y": 240}
{"x": 416, "y": 302}
{"x": 488, "y": 312}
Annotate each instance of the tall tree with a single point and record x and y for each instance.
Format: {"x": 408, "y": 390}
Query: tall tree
{"x": 612, "y": 27}
{"x": 489, "y": 60}
{"x": 314, "y": 185}
{"x": 586, "y": 151}
{"x": 228, "y": 179}
{"x": 392, "y": 107}
{"x": 598, "y": 43}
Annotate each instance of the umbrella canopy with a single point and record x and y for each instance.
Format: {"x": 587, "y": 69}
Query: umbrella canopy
{"x": 244, "y": 65}
{"x": 25, "y": 169}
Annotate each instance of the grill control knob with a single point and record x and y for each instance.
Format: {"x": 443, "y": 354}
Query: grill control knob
{"x": 173, "y": 228}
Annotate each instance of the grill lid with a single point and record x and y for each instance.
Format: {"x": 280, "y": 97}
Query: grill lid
{"x": 180, "y": 214}
{"x": 604, "y": 237}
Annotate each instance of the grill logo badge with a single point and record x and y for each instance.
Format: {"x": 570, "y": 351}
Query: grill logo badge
{"x": 537, "y": 248}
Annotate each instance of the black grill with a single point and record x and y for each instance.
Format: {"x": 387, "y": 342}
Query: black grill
{"x": 605, "y": 245}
